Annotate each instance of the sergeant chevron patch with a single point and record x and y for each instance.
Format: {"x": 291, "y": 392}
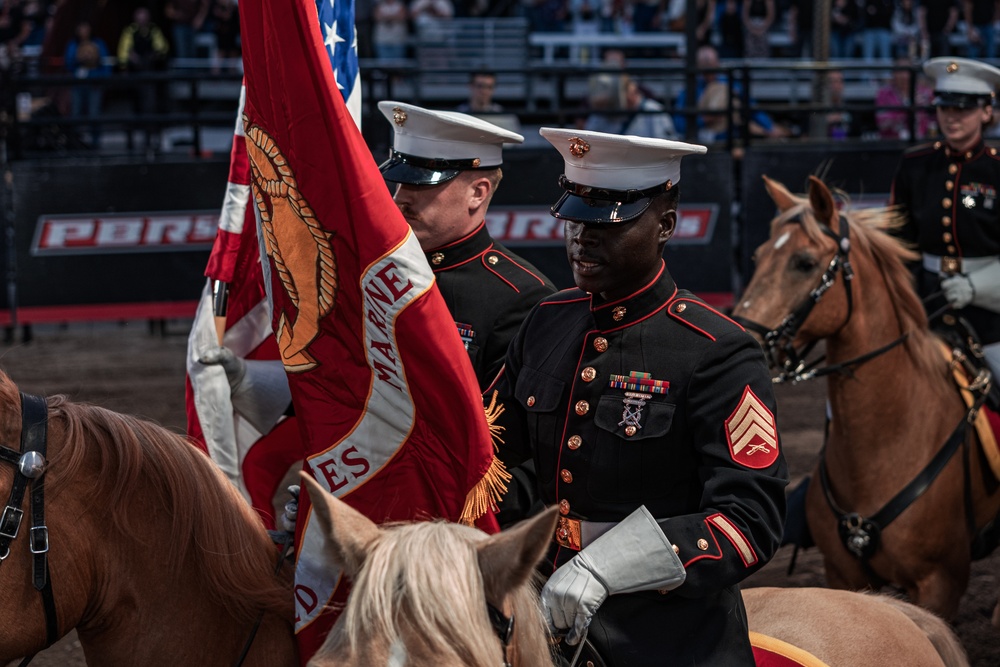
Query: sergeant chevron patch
{"x": 751, "y": 432}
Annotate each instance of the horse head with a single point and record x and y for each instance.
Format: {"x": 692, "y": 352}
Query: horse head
{"x": 422, "y": 591}
{"x": 805, "y": 256}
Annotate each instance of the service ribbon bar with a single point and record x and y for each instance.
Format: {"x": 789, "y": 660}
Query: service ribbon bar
{"x": 636, "y": 381}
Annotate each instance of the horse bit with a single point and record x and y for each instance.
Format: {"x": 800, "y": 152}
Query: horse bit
{"x": 30, "y": 465}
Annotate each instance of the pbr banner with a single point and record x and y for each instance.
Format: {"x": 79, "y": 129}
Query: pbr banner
{"x": 387, "y": 402}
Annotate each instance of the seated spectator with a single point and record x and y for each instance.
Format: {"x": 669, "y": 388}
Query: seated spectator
{"x": 226, "y": 25}
{"x": 729, "y": 18}
{"x": 621, "y": 107}
{"x": 708, "y": 59}
{"x": 979, "y": 16}
{"x": 391, "y": 31}
{"x": 482, "y": 86}
{"x": 840, "y": 123}
{"x": 844, "y": 28}
{"x": 142, "y": 46}
{"x": 86, "y": 58}
{"x": 758, "y": 17}
{"x": 906, "y": 32}
{"x": 877, "y": 33}
{"x": 938, "y": 19}
{"x": 894, "y": 123}
{"x": 186, "y": 18}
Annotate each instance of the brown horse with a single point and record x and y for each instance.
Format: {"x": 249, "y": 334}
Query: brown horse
{"x": 421, "y": 591}
{"x": 153, "y": 555}
{"x": 894, "y": 404}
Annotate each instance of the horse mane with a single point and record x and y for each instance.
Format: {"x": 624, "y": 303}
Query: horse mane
{"x": 213, "y": 529}
{"x": 871, "y": 234}
{"x": 422, "y": 581}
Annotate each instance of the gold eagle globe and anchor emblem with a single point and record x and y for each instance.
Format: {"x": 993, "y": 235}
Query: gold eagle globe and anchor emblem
{"x": 302, "y": 251}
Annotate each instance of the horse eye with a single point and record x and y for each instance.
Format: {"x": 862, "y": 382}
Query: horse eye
{"x": 804, "y": 263}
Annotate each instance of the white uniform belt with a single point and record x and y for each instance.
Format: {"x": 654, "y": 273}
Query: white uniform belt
{"x": 933, "y": 263}
{"x": 576, "y": 534}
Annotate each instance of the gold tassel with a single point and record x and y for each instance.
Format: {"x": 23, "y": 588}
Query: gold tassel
{"x": 486, "y": 494}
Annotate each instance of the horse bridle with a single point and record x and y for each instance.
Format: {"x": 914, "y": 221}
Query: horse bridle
{"x": 29, "y": 463}
{"x": 781, "y": 338}
{"x": 503, "y": 625}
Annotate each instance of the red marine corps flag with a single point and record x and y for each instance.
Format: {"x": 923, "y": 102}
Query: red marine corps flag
{"x": 387, "y": 402}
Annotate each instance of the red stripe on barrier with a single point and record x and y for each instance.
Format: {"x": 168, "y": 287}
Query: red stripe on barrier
{"x": 101, "y": 312}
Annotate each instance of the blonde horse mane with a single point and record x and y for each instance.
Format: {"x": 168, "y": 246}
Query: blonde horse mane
{"x": 214, "y": 532}
{"x": 421, "y": 581}
{"x": 871, "y": 236}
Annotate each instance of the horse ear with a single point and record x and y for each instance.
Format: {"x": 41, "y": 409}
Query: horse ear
{"x": 508, "y": 558}
{"x": 821, "y": 201}
{"x": 782, "y": 197}
{"x": 349, "y": 533}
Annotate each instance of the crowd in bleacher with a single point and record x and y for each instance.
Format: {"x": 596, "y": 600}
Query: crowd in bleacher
{"x": 868, "y": 29}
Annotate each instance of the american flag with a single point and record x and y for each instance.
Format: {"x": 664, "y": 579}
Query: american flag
{"x": 255, "y": 462}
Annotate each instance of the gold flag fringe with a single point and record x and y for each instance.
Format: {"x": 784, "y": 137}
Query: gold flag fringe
{"x": 486, "y": 494}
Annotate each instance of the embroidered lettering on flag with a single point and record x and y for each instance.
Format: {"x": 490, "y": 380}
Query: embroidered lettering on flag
{"x": 751, "y": 433}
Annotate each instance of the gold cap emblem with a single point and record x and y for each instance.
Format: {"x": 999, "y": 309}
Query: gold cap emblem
{"x": 578, "y": 147}
{"x": 951, "y": 68}
{"x": 398, "y": 116}
{"x": 475, "y": 163}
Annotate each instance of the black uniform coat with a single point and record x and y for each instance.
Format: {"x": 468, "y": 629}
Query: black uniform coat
{"x": 702, "y": 455}
{"x": 489, "y": 291}
{"x": 952, "y": 210}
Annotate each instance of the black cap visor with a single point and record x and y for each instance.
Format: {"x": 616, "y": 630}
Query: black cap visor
{"x": 581, "y": 203}
{"x": 413, "y": 170}
{"x": 950, "y": 100}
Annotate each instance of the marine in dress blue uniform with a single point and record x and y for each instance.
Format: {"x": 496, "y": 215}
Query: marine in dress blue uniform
{"x": 650, "y": 418}
{"x": 487, "y": 288}
{"x": 948, "y": 191}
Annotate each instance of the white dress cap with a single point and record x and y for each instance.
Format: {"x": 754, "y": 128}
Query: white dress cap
{"x": 619, "y": 162}
{"x": 446, "y": 135}
{"x": 962, "y": 75}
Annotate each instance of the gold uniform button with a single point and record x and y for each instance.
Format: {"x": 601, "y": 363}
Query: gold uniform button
{"x": 574, "y": 442}
{"x": 492, "y": 259}
{"x": 567, "y": 476}
{"x": 946, "y": 202}
{"x": 437, "y": 258}
{"x": 946, "y": 237}
{"x": 946, "y": 221}
{"x": 937, "y": 145}
{"x": 676, "y": 548}
{"x": 588, "y": 374}
{"x": 662, "y": 591}
{"x": 968, "y": 155}
{"x": 630, "y": 431}
{"x": 951, "y": 250}
{"x": 703, "y": 544}
{"x": 582, "y": 408}
{"x": 564, "y": 507}
{"x": 601, "y": 344}
{"x": 530, "y": 401}
{"x": 952, "y": 169}
{"x": 949, "y": 185}
{"x": 680, "y": 308}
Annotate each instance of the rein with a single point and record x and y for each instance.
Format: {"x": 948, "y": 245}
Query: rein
{"x": 30, "y": 463}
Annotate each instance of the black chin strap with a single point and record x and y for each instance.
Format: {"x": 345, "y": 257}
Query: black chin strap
{"x": 30, "y": 465}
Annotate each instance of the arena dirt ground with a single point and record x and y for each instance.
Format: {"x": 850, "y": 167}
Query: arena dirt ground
{"x": 127, "y": 368}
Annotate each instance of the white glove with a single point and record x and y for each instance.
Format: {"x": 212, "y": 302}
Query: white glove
{"x": 958, "y": 290}
{"x": 633, "y": 556}
{"x": 979, "y": 288}
{"x": 258, "y": 389}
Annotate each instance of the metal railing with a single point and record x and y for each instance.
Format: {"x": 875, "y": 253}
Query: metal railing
{"x": 191, "y": 112}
